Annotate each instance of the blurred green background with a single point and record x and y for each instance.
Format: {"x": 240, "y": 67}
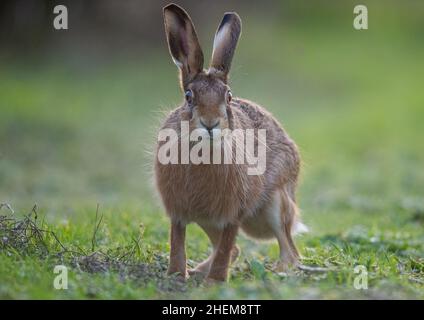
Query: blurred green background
{"x": 79, "y": 109}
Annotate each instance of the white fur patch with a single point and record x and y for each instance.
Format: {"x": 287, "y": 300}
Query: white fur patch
{"x": 299, "y": 228}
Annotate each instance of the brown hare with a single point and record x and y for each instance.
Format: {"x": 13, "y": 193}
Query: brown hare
{"x": 223, "y": 198}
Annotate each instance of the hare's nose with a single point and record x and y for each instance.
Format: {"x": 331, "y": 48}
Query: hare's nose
{"x": 210, "y": 126}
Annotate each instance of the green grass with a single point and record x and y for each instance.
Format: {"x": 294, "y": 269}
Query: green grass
{"x": 76, "y": 135}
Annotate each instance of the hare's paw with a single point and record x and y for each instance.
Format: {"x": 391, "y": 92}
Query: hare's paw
{"x": 202, "y": 269}
{"x": 183, "y": 276}
{"x": 198, "y": 272}
{"x": 285, "y": 266}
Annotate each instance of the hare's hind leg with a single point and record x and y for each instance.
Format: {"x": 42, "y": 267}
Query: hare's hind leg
{"x": 223, "y": 254}
{"x": 285, "y": 211}
{"x": 214, "y": 235}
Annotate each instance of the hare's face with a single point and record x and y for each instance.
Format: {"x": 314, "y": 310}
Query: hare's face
{"x": 208, "y": 99}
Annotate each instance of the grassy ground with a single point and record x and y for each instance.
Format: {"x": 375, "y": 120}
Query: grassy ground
{"x": 74, "y": 135}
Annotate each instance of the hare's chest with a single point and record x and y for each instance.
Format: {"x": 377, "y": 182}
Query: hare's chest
{"x": 203, "y": 194}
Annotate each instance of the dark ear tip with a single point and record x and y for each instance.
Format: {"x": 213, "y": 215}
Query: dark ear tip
{"x": 231, "y": 17}
{"x": 232, "y": 14}
{"x": 173, "y": 8}
{"x": 170, "y": 6}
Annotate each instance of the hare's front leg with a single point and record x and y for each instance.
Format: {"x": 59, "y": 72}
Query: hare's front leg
{"x": 177, "y": 260}
{"x": 222, "y": 255}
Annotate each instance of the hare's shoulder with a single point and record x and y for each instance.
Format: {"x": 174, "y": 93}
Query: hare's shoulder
{"x": 259, "y": 117}
{"x": 174, "y": 117}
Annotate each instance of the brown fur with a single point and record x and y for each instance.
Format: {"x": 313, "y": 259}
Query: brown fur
{"x": 222, "y": 198}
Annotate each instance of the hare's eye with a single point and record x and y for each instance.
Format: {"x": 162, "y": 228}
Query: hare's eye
{"x": 229, "y": 96}
{"x": 189, "y": 96}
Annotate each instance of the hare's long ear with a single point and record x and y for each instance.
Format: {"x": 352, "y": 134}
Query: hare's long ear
{"x": 225, "y": 43}
{"x": 183, "y": 43}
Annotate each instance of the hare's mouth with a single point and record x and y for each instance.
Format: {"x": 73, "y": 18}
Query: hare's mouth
{"x": 209, "y": 128}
